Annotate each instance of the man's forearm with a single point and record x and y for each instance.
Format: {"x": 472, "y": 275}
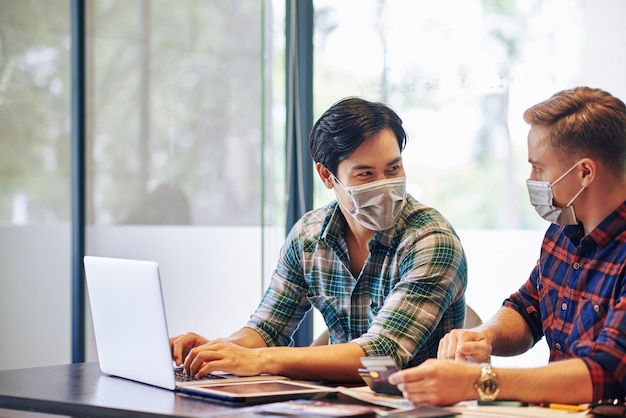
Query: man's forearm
{"x": 335, "y": 362}
{"x": 508, "y": 333}
{"x": 247, "y": 337}
{"x": 566, "y": 382}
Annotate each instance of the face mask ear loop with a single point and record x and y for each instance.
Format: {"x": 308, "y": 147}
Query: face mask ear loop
{"x": 575, "y": 196}
{"x": 353, "y": 210}
{"x": 565, "y": 174}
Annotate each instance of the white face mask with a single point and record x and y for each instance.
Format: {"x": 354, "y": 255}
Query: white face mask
{"x": 376, "y": 205}
{"x": 542, "y": 199}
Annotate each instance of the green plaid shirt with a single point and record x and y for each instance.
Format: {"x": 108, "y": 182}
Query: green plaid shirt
{"x": 409, "y": 294}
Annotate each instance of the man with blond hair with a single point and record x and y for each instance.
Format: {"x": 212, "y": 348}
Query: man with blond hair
{"x": 575, "y": 296}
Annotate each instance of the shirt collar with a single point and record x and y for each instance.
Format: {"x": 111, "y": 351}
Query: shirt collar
{"x": 335, "y": 225}
{"x": 610, "y": 227}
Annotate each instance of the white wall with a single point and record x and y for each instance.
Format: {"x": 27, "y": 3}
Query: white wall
{"x": 499, "y": 262}
{"x": 35, "y": 295}
{"x": 211, "y": 276}
{"x": 211, "y": 281}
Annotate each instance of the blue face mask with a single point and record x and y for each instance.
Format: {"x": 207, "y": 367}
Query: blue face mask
{"x": 542, "y": 198}
{"x": 376, "y": 205}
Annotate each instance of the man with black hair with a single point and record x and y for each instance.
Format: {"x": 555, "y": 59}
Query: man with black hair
{"x": 387, "y": 273}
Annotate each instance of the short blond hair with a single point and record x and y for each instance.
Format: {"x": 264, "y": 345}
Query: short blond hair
{"x": 584, "y": 122}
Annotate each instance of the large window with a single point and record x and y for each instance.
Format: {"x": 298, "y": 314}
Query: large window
{"x": 180, "y": 121}
{"x": 460, "y": 73}
{"x": 186, "y": 147}
{"x": 34, "y": 182}
{"x": 34, "y": 113}
{"x": 187, "y": 150}
{"x": 185, "y": 159}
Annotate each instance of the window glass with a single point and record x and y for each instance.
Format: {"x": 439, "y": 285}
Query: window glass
{"x": 186, "y": 157}
{"x": 460, "y": 73}
{"x": 35, "y": 88}
{"x": 181, "y": 131}
{"x": 34, "y": 113}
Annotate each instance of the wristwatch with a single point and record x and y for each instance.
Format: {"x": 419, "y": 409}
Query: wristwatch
{"x": 487, "y": 385}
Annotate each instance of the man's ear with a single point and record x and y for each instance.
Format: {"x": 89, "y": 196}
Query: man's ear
{"x": 588, "y": 170}
{"x": 325, "y": 175}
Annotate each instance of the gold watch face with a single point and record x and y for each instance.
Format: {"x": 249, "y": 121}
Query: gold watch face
{"x": 487, "y": 386}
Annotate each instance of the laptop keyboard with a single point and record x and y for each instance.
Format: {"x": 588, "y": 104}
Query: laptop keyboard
{"x": 181, "y": 376}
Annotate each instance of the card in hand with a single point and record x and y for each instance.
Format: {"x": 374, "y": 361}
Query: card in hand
{"x": 376, "y": 372}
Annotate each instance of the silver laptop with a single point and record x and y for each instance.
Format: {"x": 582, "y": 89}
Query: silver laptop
{"x": 130, "y": 327}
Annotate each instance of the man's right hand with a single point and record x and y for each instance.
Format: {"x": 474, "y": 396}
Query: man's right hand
{"x": 182, "y": 344}
{"x": 459, "y": 344}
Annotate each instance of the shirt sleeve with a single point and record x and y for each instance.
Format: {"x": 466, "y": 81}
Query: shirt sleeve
{"x": 526, "y": 302}
{"x": 433, "y": 277}
{"x": 605, "y": 356}
{"x": 285, "y": 302}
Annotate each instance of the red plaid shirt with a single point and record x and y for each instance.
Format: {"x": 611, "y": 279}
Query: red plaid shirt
{"x": 576, "y": 298}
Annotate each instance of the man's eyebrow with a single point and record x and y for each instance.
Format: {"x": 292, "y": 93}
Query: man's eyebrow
{"x": 361, "y": 167}
{"x": 366, "y": 167}
{"x": 395, "y": 161}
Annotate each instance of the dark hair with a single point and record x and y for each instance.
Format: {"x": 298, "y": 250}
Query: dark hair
{"x": 344, "y": 127}
{"x": 584, "y": 122}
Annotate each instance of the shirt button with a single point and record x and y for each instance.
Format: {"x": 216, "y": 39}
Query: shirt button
{"x": 563, "y": 306}
{"x": 596, "y": 308}
{"x": 576, "y": 266}
{"x": 557, "y": 346}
